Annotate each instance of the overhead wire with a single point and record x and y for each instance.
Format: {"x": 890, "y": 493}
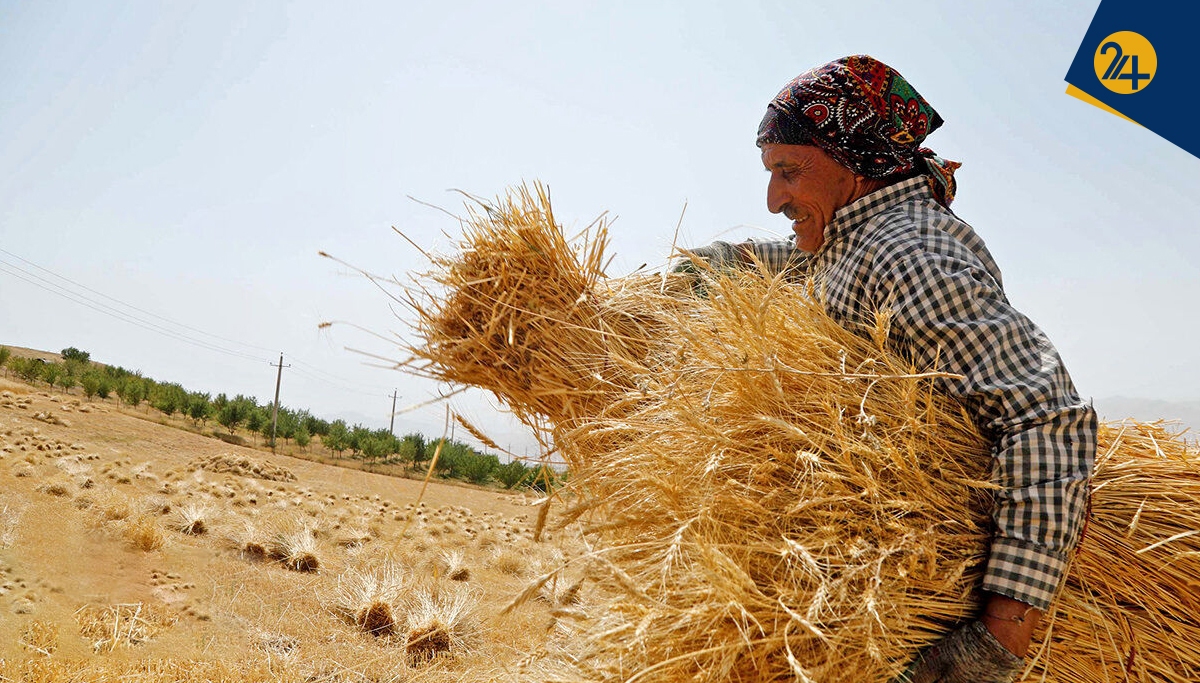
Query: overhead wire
{"x": 53, "y": 288}
{"x": 46, "y": 284}
{"x": 311, "y": 376}
{"x": 313, "y": 368}
{"x": 131, "y": 306}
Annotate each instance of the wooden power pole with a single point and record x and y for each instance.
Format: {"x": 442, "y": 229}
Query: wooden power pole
{"x": 275, "y": 406}
{"x": 392, "y": 424}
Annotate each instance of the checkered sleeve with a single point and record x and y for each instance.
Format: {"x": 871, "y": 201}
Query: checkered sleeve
{"x": 949, "y": 312}
{"x": 776, "y": 256}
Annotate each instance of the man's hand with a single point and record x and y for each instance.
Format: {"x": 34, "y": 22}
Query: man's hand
{"x": 1012, "y": 622}
{"x": 970, "y": 654}
{"x": 719, "y": 255}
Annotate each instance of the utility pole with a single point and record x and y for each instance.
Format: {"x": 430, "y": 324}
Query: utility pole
{"x": 392, "y": 424}
{"x": 275, "y": 407}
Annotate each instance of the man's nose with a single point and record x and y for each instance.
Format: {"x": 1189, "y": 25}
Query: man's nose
{"x": 776, "y": 197}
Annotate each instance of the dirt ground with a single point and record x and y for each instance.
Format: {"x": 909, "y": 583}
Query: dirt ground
{"x": 124, "y": 543}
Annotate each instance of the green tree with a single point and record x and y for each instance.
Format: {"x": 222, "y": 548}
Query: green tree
{"x": 425, "y": 450}
{"x": 372, "y": 448}
{"x": 169, "y": 398}
{"x": 302, "y": 437}
{"x": 453, "y": 458}
{"x": 314, "y": 425}
{"x": 76, "y": 367}
{"x": 287, "y": 424}
{"x": 105, "y": 388}
{"x": 411, "y": 449}
{"x": 233, "y": 413}
{"x": 359, "y": 435}
{"x": 317, "y": 426}
{"x": 68, "y": 378}
{"x": 199, "y": 407}
{"x": 116, "y": 372}
{"x": 265, "y": 428}
{"x": 478, "y": 468}
{"x": 337, "y": 437}
{"x": 50, "y": 372}
{"x": 29, "y": 369}
{"x": 132, "y": 390}
{"x": 391, "y": 444}
{"x": 512, "y": 473}
{"x": 5, "y": 354}
{"x": 75, "y": 370}
{"x": 90, "y": 381}
{"x": 257, "y": 419}
{"x": 74, "y": 354}
{"x": 373, "y": 445}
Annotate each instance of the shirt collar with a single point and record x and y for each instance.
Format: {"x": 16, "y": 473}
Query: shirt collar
{"x": 861, "y": 209}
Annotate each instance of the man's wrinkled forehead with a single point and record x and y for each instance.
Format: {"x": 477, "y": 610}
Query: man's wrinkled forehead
{"x": 778, "y": 156}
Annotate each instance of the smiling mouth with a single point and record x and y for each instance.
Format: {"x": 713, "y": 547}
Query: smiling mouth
{"x": 794, "y": 217}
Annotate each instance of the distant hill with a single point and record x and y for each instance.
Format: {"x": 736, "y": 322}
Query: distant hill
{"x": 1187, "y": 413}
{"x": 22, "y": 352}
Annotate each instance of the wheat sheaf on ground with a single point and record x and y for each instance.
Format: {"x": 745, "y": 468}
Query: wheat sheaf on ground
{"x": 242, "y": 466}
{"x": 769, "y": 496}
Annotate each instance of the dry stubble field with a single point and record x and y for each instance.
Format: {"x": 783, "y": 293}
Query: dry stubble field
{"x": 134, "y": 551}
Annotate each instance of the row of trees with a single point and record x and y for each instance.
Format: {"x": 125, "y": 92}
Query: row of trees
{"x": 456, "y": 460}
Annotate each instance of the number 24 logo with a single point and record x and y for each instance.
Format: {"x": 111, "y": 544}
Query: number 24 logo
{"x": 1126, "y": 62}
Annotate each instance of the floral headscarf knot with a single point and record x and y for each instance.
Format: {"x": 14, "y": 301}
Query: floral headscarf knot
{"x": 862, "y": 113}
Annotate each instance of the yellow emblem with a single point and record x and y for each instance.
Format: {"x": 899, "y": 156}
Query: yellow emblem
{"x": 1125, "y": 62}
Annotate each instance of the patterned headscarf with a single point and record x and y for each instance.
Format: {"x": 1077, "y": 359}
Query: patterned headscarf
{"x": 862, "y": 113}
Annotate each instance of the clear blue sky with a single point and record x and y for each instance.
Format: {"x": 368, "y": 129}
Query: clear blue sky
{"x": 190, "y": 159}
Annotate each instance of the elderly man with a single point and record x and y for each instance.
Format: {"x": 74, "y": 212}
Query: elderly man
{"x": 870, "y": 210}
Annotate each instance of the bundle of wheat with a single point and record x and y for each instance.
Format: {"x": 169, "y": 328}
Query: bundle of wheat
{"x": 774, "y": 497}
{"x": 1131, "y": 607}
{"x": 784, "y": 500}
{"x": 487, "y": 319}
{"x": 790, "y": 502}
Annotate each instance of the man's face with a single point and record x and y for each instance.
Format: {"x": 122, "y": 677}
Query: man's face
{"x": 807, "y": 186}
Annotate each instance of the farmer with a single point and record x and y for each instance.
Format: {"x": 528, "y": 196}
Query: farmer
{"x": 870, "y": 208}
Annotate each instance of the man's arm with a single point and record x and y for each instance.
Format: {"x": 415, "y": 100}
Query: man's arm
{"x": 953, "y": 314}
{"x": 776, "y": 256}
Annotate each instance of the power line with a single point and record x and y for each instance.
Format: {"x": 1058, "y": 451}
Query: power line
{"x": 92, "y": 303}
{"x": 335, "y": 385}
{"x": 313, "y": 368}
{"x": 131, "y": 306}
{"x": 99, "y": 307}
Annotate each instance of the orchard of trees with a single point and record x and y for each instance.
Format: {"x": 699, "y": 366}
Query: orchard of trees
{"x": 455, "y": 460}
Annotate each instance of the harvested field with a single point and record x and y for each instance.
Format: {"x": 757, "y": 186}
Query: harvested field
{"x": 142, "y": 563}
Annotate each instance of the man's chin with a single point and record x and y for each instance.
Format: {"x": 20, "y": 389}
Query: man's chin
{"x": 806, "y": 240}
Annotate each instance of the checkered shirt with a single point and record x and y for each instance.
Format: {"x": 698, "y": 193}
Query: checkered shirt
{"x": 898, "y": 248}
